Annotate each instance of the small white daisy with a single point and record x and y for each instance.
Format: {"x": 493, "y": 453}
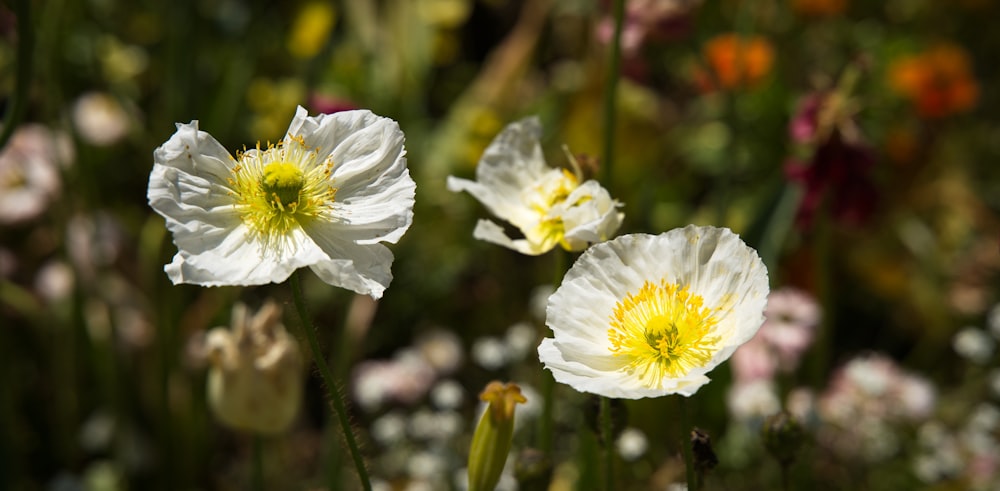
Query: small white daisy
{"x": 646, "y": 316}
{"x": 550, "y": 206}
{"x": 324, "y": 198}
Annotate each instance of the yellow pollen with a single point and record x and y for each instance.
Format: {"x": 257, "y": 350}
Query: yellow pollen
{"x": 554, "y": 190}
{"x": 663, "y": 331}
{"x": 281, "y": 188}
{"x": 282, "y": 182}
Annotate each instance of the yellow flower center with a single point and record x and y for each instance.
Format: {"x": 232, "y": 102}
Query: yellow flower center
{"x": 282, "y": 182}
{"x": 279, "y": 189}
{"x": 13, "y": 178}
{"x": 663, "y": 331}
{"x": 553, "y": 191}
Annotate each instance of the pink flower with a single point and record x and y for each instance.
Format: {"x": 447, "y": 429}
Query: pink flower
{"x": 754, "y": 361}
{"x": 839, "y": 167}
{"x": 791, "y": 319}
{"x": 645, "y": 21}
{"x": 841, "y": 170}
{"x": 865, "y": 399}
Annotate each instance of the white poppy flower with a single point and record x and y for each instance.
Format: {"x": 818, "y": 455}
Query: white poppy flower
{"x": 550, "y": 206}
{"x": 323, "y": 198}
{"x": 646, "y": 316}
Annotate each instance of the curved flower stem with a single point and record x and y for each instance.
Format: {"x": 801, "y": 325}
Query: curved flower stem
{"x": 26, "y": 43}
{"x": 258, "y": 463}
{"x": 334, "y": 395}
{"x": 609, "y": 445}
{"x": 692, "y": 481}
{"x": 610, "y": 95}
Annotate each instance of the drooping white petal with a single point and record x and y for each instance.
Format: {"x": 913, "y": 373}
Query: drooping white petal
{"x": 491, "y": 232}
{"x": 364, "y": 269}
{"x": 512, "y": 162}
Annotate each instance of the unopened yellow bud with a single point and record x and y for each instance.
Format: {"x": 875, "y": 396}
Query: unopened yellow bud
{"x": 255, "y": 379}
{"x": 492, "y": 439}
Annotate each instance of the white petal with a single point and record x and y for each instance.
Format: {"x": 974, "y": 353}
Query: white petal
{"x": 511, "y": 163}
{"x": 583, "y": 377}
{"x": 195, "y": 152}
{"x": 595, "y": 220}
{"x": 368, "y": 155}
{"x": 730, "y": 275}
{"x": 325, "y": 131}
{"x": 375, "y": 193}
{"x": 362, "y": 268}
{"x": 493, "y": 233}
{"x": 381, "y": 208}
{"x": 232, "y": 259}
{"x": 360, "y": 143}
{"x": 379, "y": 218}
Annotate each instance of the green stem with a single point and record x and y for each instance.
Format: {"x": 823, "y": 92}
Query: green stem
{"x": 26, "y": 42}
{"x": 166, "y": 354}
{"x": 609, "y": 447}
{"x": 610, "y": 95}
{"x": 334, "y": 395}
{"x": 547, "y": 421}
{"x": 341, "y": 354}
{"x": 258, "y": 463}
{"x": 692, "y": 482}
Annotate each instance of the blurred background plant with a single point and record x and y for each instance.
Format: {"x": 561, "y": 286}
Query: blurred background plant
{"x": 852, "y": 143}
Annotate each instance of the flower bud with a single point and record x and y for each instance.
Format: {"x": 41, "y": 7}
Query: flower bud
{"x": 783, "y": 437}
{"x": 492, "y": 439}
{"x": 701, "y": 448}
{"x": 255, "y": 378}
